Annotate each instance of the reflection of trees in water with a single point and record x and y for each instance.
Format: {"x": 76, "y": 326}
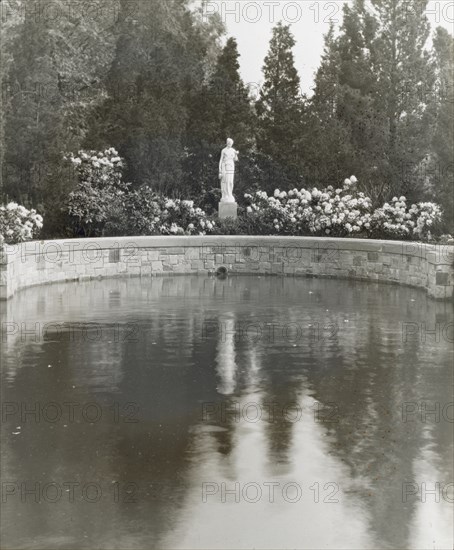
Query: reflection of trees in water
{"x": 56, "y": 452}
{"x": 85, "y": 371}
{"x": 280, "y": 403}
{"x": 368, "y": 372}
{"x": 364, "y": 368}
{"x": 381, "y": 373}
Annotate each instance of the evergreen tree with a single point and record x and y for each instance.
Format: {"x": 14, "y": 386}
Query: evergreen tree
{"x": 357, "y": 108}
{"x": 55, "y": 77}
{"x": 280, "y": 111}
{"x": 344, "y": 133}
{"x": 380, "y": 118}
{"x": 326, "y": 140}
{"x": 234, "y": 115}
{"x": 405, "y": 87}
{"x": 441, "y": 169}
{"x": 160, "y": 57}
{"x": 350, "y": 129}
{"x": 222, "y": 109}
{"x": 10, "y": 25}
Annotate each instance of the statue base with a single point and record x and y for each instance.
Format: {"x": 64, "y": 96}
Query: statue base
{"x": 228, "y": 210}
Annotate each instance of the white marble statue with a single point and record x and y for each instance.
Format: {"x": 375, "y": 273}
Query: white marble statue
{"x": 227, "y": 171}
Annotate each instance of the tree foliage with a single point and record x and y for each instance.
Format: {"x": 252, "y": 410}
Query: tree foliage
{"x": 440, "y": 171}
{"x": 280, "y": 110}
{"x": 158, "y": 82}
{"x": 220, "y": 110}
{"x": 161, "y": 57}
{"x": 380, "y": 116}
{"x": 58, "y": 61}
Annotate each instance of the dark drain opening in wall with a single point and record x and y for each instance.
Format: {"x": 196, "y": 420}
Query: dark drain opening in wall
{"x": 222, "y": 272}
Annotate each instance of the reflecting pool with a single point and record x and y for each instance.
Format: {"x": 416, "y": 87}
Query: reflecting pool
{"x": 250, "y": 412}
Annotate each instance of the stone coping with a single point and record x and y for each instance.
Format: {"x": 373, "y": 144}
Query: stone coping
{"x": 106, "y": 243}
{"x": 429, "y": 266}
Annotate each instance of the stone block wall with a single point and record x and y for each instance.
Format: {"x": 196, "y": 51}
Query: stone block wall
{"x": 419, "y": 265}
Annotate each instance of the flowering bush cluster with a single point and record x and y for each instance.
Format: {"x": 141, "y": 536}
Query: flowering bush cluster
{"x": 18, "y": 224}
{"x": 330, "y": 212}
{"x": 339, "y": 212}
{"x": 180, "y": 217}
{"x": 147, "y": 213}
{"x": 100, "y": 193}
{"x": 397, "y": 220}
{"x": 103, "y": 204}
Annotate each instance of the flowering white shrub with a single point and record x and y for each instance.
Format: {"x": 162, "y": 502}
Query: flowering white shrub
{"x": 100, "y": 192}
{"x": 149, "y": 213}
{"x": 180, "y": 217}
{"x": 103, "y": 204}
{"x": 330, "y": 212}
{"x": 397, "y": 220}
{"x": 18, "y": 224}
{"x": 339, "y": 212}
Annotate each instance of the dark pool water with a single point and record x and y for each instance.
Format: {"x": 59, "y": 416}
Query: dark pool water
{"x": 248, "y": 412}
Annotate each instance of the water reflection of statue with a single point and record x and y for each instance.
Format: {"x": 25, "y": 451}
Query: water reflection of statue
{"x": 227, "y": 171}
{"x": 225, "y": 356}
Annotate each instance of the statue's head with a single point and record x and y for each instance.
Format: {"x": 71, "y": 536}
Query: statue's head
{"x": 229, "y": 142}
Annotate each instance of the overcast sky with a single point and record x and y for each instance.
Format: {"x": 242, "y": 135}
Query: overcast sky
{"x": 251, "y": 23}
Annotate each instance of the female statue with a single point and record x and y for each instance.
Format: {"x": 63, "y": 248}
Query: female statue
{"x": 227, "y": 171}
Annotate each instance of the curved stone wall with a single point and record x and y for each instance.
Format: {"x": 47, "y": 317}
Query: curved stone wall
{"x": 409, "y": 263}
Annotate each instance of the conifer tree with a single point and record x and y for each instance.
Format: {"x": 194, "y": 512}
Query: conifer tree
{"x": 58, "y": 59}
{"x": 222, "y": 109}
{"x": 441, "y": 170}
{"x": 380, "y": 119}
{"x": 357, "y": 108}
{"x": 404, "y": 95}
{"x": 326, "y": 143}
{"x": 160, "y": 59}
{"x": 280, "y": 110}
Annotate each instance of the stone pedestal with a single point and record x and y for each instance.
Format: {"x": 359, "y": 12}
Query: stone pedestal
{"x": 228, "y": 210}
